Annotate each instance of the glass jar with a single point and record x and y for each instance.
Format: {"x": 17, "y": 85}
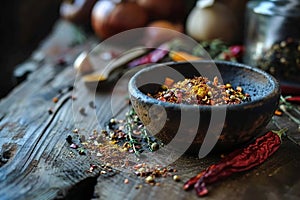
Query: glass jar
{"x": 273, "y": 38}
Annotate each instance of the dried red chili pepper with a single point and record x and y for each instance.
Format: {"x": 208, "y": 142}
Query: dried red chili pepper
{"x": 293, "y": 99}
{"x": 153, "y": 57}
{"x": 237, "y": 161}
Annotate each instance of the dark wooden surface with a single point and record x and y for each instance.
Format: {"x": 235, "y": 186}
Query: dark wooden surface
{"x": 36, "y": 161}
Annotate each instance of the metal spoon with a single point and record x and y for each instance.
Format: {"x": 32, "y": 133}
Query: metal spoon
{"x": 98, "y": 69}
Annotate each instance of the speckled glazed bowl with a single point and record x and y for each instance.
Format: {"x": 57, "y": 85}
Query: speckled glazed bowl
{"x": 190, "y": 128}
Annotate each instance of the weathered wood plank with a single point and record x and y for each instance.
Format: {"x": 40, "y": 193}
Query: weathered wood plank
{"x": 39, "y": 151}
{"x": 277, "y": 178}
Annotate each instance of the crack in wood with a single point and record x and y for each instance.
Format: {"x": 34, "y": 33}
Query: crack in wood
{"x": 63, "y": 101}
{"x": 8, "y": 151}
{"x": 2, "y": 117}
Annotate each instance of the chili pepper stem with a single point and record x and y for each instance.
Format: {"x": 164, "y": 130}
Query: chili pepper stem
{"x": 280, "y": 132}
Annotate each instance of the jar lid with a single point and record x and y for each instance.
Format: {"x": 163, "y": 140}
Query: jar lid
{"x": 289, "y": 8}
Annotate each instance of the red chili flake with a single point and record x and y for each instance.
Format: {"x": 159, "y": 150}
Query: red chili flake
{"x": 293, "y": 99}
{"x": 237, "y": 161}
{"x": 168, "y": 82}
{"x": 92, "y": 167}
{"x": 237, "y": 51}
{"x": 278, "y": 112}
{"x": 226, "y": 56}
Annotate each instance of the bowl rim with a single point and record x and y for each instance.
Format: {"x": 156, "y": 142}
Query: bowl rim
{"x": 136, "y": 92}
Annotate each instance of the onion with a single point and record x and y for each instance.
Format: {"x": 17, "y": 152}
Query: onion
{"x": 210, "y": 20}
{"x": 110, "y": 18}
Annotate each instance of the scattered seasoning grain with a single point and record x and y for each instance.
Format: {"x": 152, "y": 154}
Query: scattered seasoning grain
{"x": 75, "y": 130}
{"x": 61, "y": 62}
{"x": 126, "y": 181}
{"x": 278, "y": 112}
{"x": 154, "y": 146}
{"x": 73, "y": 146}
{"x": 92, "y": 167}
{"x": 69, "y": 139}
{"x": 138, "y": 186}
{"x": 55, "y": 99}
{"x": 82, "y": 138}
{"x": 169, "y": 82}
{"x": 81, "y": 151}
{"x": 91, "y": 104}
{"x": 50, "y": 111}
{"x": 176, "y": 178}
{"x": 82, "y": 111}
{"x": 149, "y": 179}
{"x": 73, "y": 97}
{"x": 113, "y": 144}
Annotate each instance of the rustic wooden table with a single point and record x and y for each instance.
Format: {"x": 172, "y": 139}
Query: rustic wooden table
{"x": 37, "y": 162}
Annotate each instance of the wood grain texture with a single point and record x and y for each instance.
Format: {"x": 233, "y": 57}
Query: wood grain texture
{"x": 36, "y": 161}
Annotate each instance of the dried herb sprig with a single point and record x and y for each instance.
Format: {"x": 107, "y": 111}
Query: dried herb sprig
{"x": 131, "y": 134}
{"x": 129, "y": 131}
{"x": 286, "y": 106}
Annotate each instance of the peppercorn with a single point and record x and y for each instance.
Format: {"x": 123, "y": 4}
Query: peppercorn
{"x": 154, "y": 146}
{"x": 82, "y": 111}
{"x": 50, "y": 111}
{"x": 281, "y": 60}
{"x": 176, "y": 178}
{"x": 149, "y": 179}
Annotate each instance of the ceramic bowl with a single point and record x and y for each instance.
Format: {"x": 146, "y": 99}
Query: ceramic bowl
{"x": 201, "y": 128}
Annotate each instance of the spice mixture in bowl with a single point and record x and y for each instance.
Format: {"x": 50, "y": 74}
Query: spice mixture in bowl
{"x": 204, "y": 104}
{"x": 200, "y": 91}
